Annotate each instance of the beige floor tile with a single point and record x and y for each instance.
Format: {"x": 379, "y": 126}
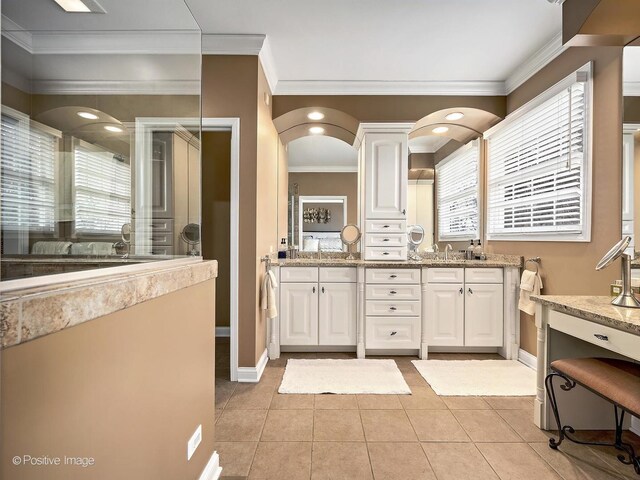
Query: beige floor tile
{"x": 576, "y": 462}
{"x": 466, "y": 403}
{"x": 282, "y": 460}
{"x": 335, "y": 402}
{"x": 387, "y": 426}
{"x": 510, "y": 403}
{"x": 437, "y": 426}
{"x": 422, "y": 398}
{"x": 396, "y": 461}
{"x": 235, "y": 457}
{"x": 337, "y": 426}
{"x": 414, "y": 379}
{"x": 288, "y": 426}
{"x": 272, "y": 376}
{"x": 457, "y": 461}
{"x": 486, "y": 426}
{"x": 291, "y": 402}
{"x": 516, "y": 461}
{"x": 251, "y": 396}
{"x": 379, "y": 402}
{"x": 522, "y": 422}
{"x": 340, "y": 461}
{"x": 224, "y": 389}
{"x": 240, "y": 425}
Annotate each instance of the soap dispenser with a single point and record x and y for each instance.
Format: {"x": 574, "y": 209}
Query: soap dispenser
{"x": 469, "y": 252}
{"x": 477, "y": 251}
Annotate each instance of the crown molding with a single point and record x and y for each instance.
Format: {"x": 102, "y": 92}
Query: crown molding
{"x": 535, "y": 63}
{"x": 213, "y": 44}
{"x": 375, "y": 87}
{"x": 268, "y": 65}
{"x": 631, "y": 89}
{"x": 125, "y": 87}
{"x": 323, "y": 169}
{"x": 18, "y": 35}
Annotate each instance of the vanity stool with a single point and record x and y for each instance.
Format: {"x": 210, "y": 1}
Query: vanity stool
{"x": 617, "y": 381}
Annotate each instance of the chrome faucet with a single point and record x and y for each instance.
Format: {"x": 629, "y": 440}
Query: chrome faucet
{"x": 436, "y": 249}
{"x": 447, "y": 249}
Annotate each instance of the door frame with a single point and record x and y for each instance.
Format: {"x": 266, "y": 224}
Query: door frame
{"x": 210, "y": 124}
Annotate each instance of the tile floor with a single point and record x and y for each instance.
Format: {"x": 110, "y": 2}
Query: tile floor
{"x": 261, "y": 434}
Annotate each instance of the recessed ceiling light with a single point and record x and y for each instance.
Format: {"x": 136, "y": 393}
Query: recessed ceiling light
{"x": 440, "y": 129}
{"x": 315, "y": 116}
{"x": 454, "y": 116}
{"x": 88, "y": 115}
{"x": 80, "y": 6}
{"x": 112, "y": 128}
{"x": 316, "y": 130}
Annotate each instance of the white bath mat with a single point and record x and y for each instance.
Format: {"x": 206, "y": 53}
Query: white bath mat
{"x": 478, "y": 377}
{"x": 343, "y": 376}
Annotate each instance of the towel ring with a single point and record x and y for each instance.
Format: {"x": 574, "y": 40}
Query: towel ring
{"x": 535, "y": 261}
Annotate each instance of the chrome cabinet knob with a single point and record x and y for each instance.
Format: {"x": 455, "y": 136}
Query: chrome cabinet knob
{"x": 599, "y": 336}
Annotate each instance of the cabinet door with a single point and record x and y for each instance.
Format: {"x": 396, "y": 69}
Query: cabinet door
{"x": 337, "y": 323}
{"x": 445, "y": 314}
{"x": 484, "y": 315}
{"x": 386, "y": 173}
{"x": 298, "y": 314}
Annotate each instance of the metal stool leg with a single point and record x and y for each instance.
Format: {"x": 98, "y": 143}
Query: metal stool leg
{"x": 568, "y": 385}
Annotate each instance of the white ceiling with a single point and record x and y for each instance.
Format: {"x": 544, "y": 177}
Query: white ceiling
{"x": 388, "y": 41}
{"x": 318, "y": 153}
{"x": 427, "y": 144}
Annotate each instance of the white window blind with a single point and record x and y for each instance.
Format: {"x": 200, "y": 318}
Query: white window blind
{"x": 457, "y": 180}
{"x": 28, "y": 176}
{"x": 537, "y": 167}
{"x": 102, "y": 191}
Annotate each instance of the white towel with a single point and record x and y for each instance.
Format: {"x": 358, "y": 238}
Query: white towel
{"x": 51, "y": 248}
{"x": 268, "y": 295}
{"x": 530, "y": 284}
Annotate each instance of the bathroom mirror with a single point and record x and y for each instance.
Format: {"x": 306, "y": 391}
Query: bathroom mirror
{"x": 350, "y": 235}
{"x": 612, "y": 255}
{"x": 415, "y": 237}
{"x": 190, "y": 234}
{"x": 125, "y": 232}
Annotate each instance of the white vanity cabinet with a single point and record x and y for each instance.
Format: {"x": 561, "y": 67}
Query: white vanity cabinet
{"x": 318, "y": 306}
{"x": 465, "y": 307}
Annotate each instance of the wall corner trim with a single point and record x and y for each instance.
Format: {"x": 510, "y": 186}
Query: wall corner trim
{"x": 528, "y": 359}
{"x": 253, "y": 374}
{"x": 223, "y": 332}
{"x": 213, "y": 469}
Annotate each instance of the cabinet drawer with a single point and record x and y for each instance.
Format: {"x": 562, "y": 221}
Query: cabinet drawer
{"x": 383, "y": 240}
{"x": 624, "y": 343}
{"x": 392, "y": 332}
{"x": 338, "y": 274}
{"x": 386, "y": 253}
{"x": 390, "y": 275}
{"x": 395, "y": 292}
{"x": 162, "y": 239}
{"x": 445, "y": 275}
{"x": 299, "y": 274}
{"x": 393, "y": 309}
{"x": 483, "y": 275}
{"x": 386, "y": 226}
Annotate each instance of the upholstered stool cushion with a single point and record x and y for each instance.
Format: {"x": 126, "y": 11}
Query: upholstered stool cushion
{"x": 616, "y": 380}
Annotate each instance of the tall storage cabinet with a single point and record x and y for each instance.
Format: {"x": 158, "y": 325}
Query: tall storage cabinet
{"x": 384, "y": 161}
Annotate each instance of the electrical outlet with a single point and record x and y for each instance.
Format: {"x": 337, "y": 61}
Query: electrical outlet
{"x": 193, "y": 442}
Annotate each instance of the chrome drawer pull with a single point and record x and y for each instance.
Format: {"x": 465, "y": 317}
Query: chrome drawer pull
{"x": 392, "y": 276}
{"x": 471, "y": 291}
{"x": 385, "y": 226}
{"x": 604, "y": 338}
{"x": 393, "y": 292}
{"x": 393, "y": 308}
{"x": 393, "y": 333}
{"x": 461, "y": 291}
{"x": 385, "y": 240}
{"x": 385, "y": 253}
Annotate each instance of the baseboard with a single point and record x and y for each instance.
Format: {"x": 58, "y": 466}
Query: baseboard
{"x": 253, "y": 374}
{"x": 213, "y": 469}
{"x": 462, "y": 349}
{"x": 635, "y": 425}
{"x": 223, "y": 331}
{"x": 529, "y": 360}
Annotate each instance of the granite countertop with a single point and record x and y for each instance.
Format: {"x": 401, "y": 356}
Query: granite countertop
{"x": 30, "y": 313}
{"x": 597, "y": 309}
{"x": 497, "y": 261}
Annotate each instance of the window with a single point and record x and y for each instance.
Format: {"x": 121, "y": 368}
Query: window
{"x": 102, "y": 191}
{"x": 457, "y": 180}
{"x": 27, "y": 166}
{"x": 538, "y": 168}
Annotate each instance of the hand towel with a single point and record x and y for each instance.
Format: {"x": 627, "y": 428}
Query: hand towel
{"x": 51, "y": 248}
{"x": 268, "y": 295}
{"x": 530, "y": 284}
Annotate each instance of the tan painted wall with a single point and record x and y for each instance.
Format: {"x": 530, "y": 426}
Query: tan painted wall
{"x": 568, "y": 268}
{"x": 216, "y": 198}
{"x": 128, "y": 389}
{"x": 329, "y": 183}
{"x": 632, "y": 109}
{"x": 267, "y": 198}
{"x": 230, "y": 89}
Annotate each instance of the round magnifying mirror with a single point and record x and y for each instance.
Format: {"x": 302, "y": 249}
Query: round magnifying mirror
{"x": 350, "y": 235}
{"x": 125, "y": 232}
{"x": 191, "y": 235}
{"x": 615, "y": 252}
{"x": 415, "y": 237}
